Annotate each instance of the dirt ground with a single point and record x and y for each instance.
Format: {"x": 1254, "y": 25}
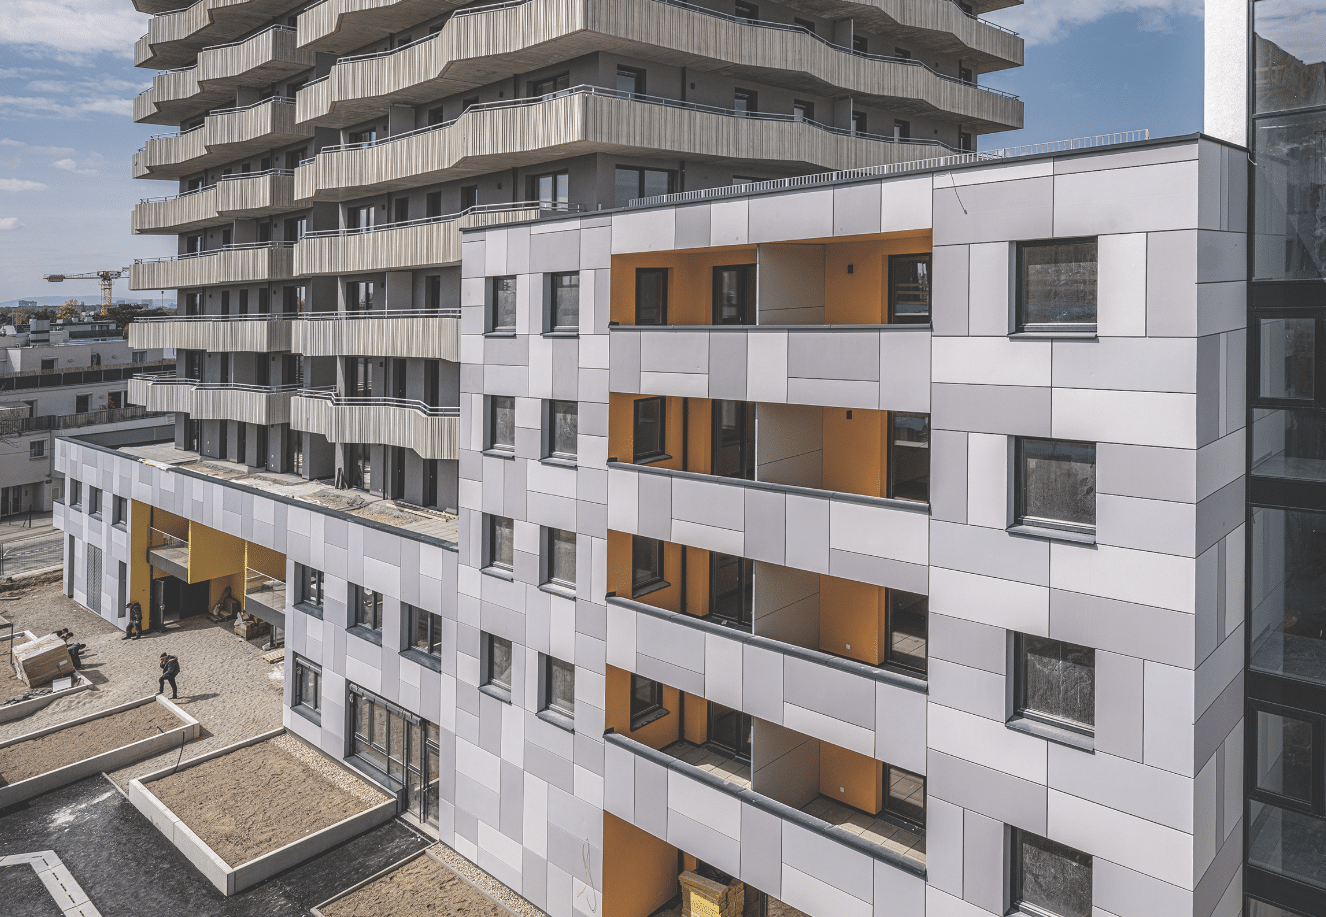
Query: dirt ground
{"x": 223, "y": 683}
{"x": 10, "y": 684}
{"x": 255, "y": 800}
{"x": 50, "y": 752}
{"x": 421, "y": 888}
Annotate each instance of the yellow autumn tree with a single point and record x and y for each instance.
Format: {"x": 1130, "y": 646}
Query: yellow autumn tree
{"x": 71, "y": 310}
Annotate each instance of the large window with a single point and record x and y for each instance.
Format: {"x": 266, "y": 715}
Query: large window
{"x": 309, "y": 589}
{"x": 635, "y": 183}
{"x": 502, "y": 305}
{"x": 734, "y": 295}
{"x": 562, "y": 427}
{"x": 423, "y": 631}
{"x": 559, "y": 546}
{"x": 400, "y": 745}
{"x": 308, "y": 685}
{"x": 909, "y": 457}
{"x": 731, "y": 589}
{"x": 1056, "y": 484}
{"x": 904, "y": 795}
{"x": 646, "y": 565}
{"x": 365, "y": 608}
{"x": 1290, "y": 47}
{"x": 1055, "y": 682}
{"x": 564, "y": 304}
{"x": 651, "y": 296}
{"x": 1287, "y": 828}
{"x": 1289, "y": 594}
{"x": 1286, "y": 357}
{"x": 501, "y": 544}
{"x": 1290, "y": 184}
{"x": 550, "y": 84}
{"x": 552, "y": 189}
{"x": 1050, "y": 879}
{"x": 646, "y": 701}
{"x": 501, "y": 423}
{"x": 649, "y": 430}
{"x": 730, "y": 731}
{"x": 908, "y": 631}
{"x": 559, "y": 686}
{"x": 1057, "y": 286}
{"x": 733, "y": 443}
{"x": 909, "y": 289}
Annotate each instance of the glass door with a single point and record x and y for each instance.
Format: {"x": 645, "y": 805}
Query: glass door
{"x": 729, "y": 731}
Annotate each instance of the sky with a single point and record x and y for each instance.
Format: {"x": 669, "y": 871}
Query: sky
{"x": 67, "y": 84}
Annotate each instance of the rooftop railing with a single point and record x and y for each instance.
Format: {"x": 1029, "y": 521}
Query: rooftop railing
{"x": 554, "y": 207}
{"x": 328, "y": 393}
{"x": 244, "y": 246}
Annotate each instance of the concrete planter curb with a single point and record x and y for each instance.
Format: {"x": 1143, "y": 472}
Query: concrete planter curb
{"x": 427, "y": 851}
{"x": 11, "y": 712}
{"x": 228, "y": 879}
{"x": 107, "y": 761}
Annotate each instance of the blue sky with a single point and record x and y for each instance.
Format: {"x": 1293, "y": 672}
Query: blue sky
{"x": 67, "y": 84}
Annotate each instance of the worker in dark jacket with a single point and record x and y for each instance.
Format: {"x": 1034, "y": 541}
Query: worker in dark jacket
{"x": 170, "y": 667}
{"x": 135, "y": 628}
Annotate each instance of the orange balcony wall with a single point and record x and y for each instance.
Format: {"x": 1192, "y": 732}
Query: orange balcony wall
{"x": 856, "y": 451}
{"x": 851, "y": 778}
{"x": 690, "y": 282}
{"x": 639, "y": 870}
{"x": 852, "y": 620}
{"x": 856, "y": 276}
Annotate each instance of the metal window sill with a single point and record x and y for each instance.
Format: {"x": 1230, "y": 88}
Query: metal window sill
{"x": 1049, "y": 534}
{"x": 365, "y": 633}
{"x": 558, "y": 462}
{"x": 566, "y": 592}
{"x": 560, "y": 334}
{"x": 502, "y": 694}
{"x": 501, "y": 454}
{"x": 560, "y": 720}
{"x": 308, "y": 609}
{"x": 652, "y": 587}
{"x": 1054, "y": 335}
{"x": 423, "y": 658}
{"x": 650, "y": 717}
{"x": 652, "y": 459}
{"x": 499, "y": 334}
{"x": 307, "y": 713}
{"x": 498, "y": 573}
{"x": 1056, "y": 734}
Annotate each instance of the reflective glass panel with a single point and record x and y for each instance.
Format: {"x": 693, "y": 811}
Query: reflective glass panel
{"x": 1290, "y": 195}
{"x": 909, "y": 457}
{"x": 1056, "y": 681}
{"x": 1057, "y": 286}
{"x": 1289, "y": 444}
{"x": 566, "y": 301}
{"x": 501, "y": 546}
{"x": 1287, "y": 843}
{"x": 499, "y": 662}
{"x": 1052, "y": 878}
{"x": 1284, "y": 756}
{"x": 503, "y": 424}
{"x": 1289, "y": 593}
{"x": 1058, "y": 482}
{"x": 905, "y": 794}
{"x": 908, "y": 622}
{"x": 562, "y": 557}
{"x": 1289, "y": 47}
{"x": 504, "y": 304}
{"x": 1286, "y": 359}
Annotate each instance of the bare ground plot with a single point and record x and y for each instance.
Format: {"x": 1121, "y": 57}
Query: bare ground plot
{"x": 421, "y": 888}
{"x": 10, "y": 684}
{"x": 224, "y": 684}
{"x": 254, "y": 800}
{"x": 75, "y": 743}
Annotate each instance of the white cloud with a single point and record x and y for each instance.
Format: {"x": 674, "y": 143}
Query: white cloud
{"x": 1046, "y": 22}
{"x": 72, "y": 106}
{"x": 20, "y": 184}
{"x": 86, "y": 167}
{"x": 7, "y": 223}
{"x": 74, "y": 27}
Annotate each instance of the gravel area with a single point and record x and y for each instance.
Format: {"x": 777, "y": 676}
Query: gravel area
{"x": 254, "y": 800}
{"x": 25, "y": 895}
{"x": 224, "y": 684}
{"x": 59, "y": 749}
{"x": 339, "y": 777}
{"x": 485, "y": 882}
{"x": 422, "y": 887}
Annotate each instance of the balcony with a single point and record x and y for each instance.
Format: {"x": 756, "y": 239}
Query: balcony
{"x": 585, "y": 120}
{"x": 174, "y": 37}
{"x": 264, "y": 597}
{"x": 430, "y": 335}
{"x": 462, "y": 55}
{"x": 248, "y": 195}
{"x": 215, "y": 333}
{"x": 266, "y": 405}
{"x": 432, "y": 432}
{"x": 226, "y": 135}
{"x": 338, "y": 26}
{"x": 168, "y": 552}
{"x": 718, "y": 821}
{"x": 254, "y": 63}
{"x": 233, "y": 264}
{"x": 164, "y": 392}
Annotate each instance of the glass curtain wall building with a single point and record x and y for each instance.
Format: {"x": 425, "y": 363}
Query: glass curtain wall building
{"x": 1286, "y": 682}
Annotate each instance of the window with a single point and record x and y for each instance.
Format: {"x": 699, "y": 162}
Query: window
{"x": 1288, "y": 614}
{"x": 140, "y": 356}
{"x": 649, "y": 429}
{"x": 564, "y": 304}
{"x": 309, "y": 586}
{"x": 646, "y": 565}
{"x": 966, "y": 75}
{"x": 1287, "y": 357}
{"x": 1056, "y": 486}
{"x": 294, "y": 452}
{"x": 1055, "y": 682}
{"x": 646, "y": 701}
{"x": 1291, "y": 245}
{"x": 400, "y": 745}
{"x": 803, "y": 111}
{"x": 559, "y": 547}
{"x": 730, "y": 731}
{"x": 748, "y": 11}
{"x": 501, "y": 423}
{"x": 358, "y": 297}
{"x": 469, "y": 197}
{"x": 497, "y": 662}
{"x": 503, "y": 308}
{"x": 96, "y": 359}
{"x": 1057, "y": 286}
{"x": 37, "y": 449}
{"x": 563, "y": 417}
{"x": 94, "y": 501}
{"x": 858, "y": 122}
{"x": 904, "y": 795}
{"x": 1287, "y": 803}
{"x": 651, "y": 296}
{"x": 75, "y": 492}
{"x": 550, "y": 84}
{"x": 501, "y": 543}
{"x": 1049, "y": 879}
{"x": 902, "y": 130}
{"x": 859, "y": 43}
{"x": 1289, "y": 46}
{"x": 308, "y": 685}
{"x": 1284, "y": 756}
{"x": 366, "y": 608}
{"x": 423, "y": 631}
{"x": 909, "y": 457}
{"x": 634, "y": 183}
{"x": 400, "y": 210}
{"x": 908, "y": 618}
{"x": 902, "y": 53}
{"x": 630, "y": 80}
{"x": 734, "y": 295}
{"x": 225, "y": 302}
{"x": 48, "y": 366}
{"x": 745, "y": 102}
{"x": 731, "y": 589}
{"x": 552, "y": 189}
{"x": 805, "y": 24}
{"x": 909, "y": 289}
{"x": 359, "y": 217}
{"x": 82, "y": 404}
{"x": 559, "y": 686}
{"x": 733, "y": 439}
{"x": 436, "y": 116}
{"x": 119, "y": 511}
{"x": 965, "y": 142}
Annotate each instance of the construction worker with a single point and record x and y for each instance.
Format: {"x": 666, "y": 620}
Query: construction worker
{"x": 135, "y": 628}
{"x": 170, "y": 667}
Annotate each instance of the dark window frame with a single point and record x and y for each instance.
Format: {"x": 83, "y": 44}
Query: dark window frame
{"x": 1318, "y": 399}
{"x": 1315, "y": 804}
{"x": 1021, "y": 326}
{"x": 298, "y": 698}
{"x": 1020, "y": 515}
{"x": 745, "y": 274}
{"x": 488, "y": 678}
{"x": 1017, "y": 879}
{"x": 550, "y": 445}
{"x": 662, "y": 309}
{"x": 550, "y": 577}
{"x": 1021, "y": 708}
{"x": 491, "y": 561}
{"x": 493, "y": 304}
{"x": 893, "y": 598}
{"x": 659, "y": 454}
{"x": 658, "y": 568}
{"x": 413, "y": 616}
{"x": 644, "y": 712}
{"x": 366, "y": 608}
{"x": 491, "y": 443}
{"x": 311, "y": 586}
{"x": 910, "y": 318}
{"x": 554, "y": 321}
{"x": 550, "y": 702}
{"x": 896, "y": 445}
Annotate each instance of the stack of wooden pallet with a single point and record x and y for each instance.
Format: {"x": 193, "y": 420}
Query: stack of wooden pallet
{"x": 701, "y": 897}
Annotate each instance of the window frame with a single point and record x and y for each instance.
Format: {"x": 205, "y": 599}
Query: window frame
{"x": 1020, "y": 325}
{"x": 36, "y": 449}
{"x": 548, "y": 702}
{"x": 549, "y": 577}
{"x": 362, "y": 597}
{"x": 119, "y": 510}
{"x": 1048, "y": 525}
{"x": 635, "y": 73}
{"x": 551, "y": 325}
{"x": 654, "y": 583}
{"x": 75, "y": 495}
{"x": 310, "y": 576}
{"x": 1021, "y": 710}
{"x": 892, "y": 598}
{"x": 550, "y": 427}
{"x": 94, "y": 501}
{"x": 505, "y": 568}
{"x": 642, "y": 272}
{"x": 911, "y": 318}
{"x": 413, "y": 616}
{"x": 297, "y": 699}
{"x": 1017, "y": 875}
{"x": 492, "y": 326}
{"x": 895, "y": 444}
{"x": 488, "y": 641}
{"x": 651, "y": 711}
{"x": 490, "y": 442}
{"x": 1315, "y": 805}
{"x": 1318, "y": 399}
{"x": 661, "y": 453}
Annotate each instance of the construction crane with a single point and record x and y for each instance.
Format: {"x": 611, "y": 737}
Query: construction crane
{"x": 106, "y": 278}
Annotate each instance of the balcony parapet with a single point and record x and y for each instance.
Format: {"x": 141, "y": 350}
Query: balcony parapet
{"x": 338, "y": 26}
{"x": 251, "y": 263}
{"x": 247, "y": 195}
{"x": 426, "y": 334}
{"x": 255, "y": 62}
{"x": 215, "y": 333}
{"x": 164, "y": 392}
{"x": 583, "y": 120}
{"x": 175, "y": 36}
{"x": 259, "y": 404}
{"x": 225, "y": 135}
{"x": 433, "y": 432}
{"x": 875, "y": 712}
{"x": 868, "y": 539}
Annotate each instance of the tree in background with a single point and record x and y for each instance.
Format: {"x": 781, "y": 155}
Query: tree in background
{"x": 71, "y": 310}
{"x": 19, "y": 316}
{"x": 122, "y": 314}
